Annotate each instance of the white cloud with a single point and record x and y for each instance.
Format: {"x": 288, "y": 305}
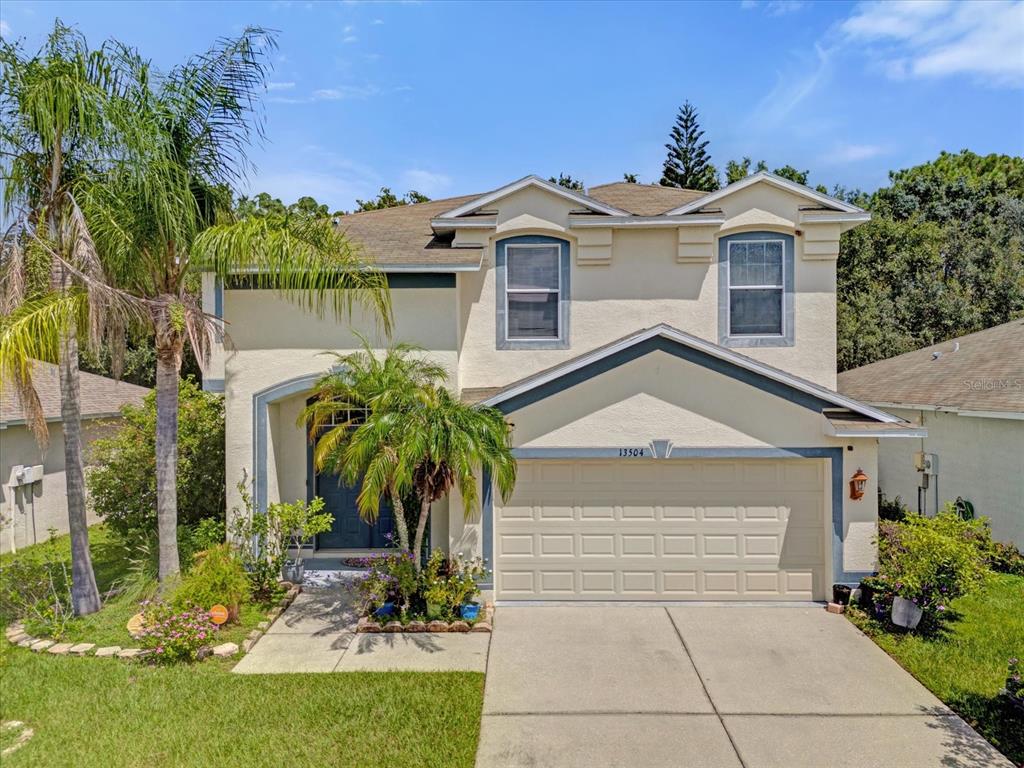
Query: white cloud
{"x": 940, "y": 39}
{"x": 349, "y": 39}
{"x": 853, "y": 153}
{"x": 280, "y": 86}
{"x": 774, "y": 7}
{"x": 792, "y": 87}
{"x": 427, "y": 182}
{"x": 377, "y": 22}
{"x": 345, "y": 92}
{"x": 5, "y": 28}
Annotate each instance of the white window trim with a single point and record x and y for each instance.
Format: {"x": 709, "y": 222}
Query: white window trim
{"x": 781, "y": 288}
{"x": 558, "y": 291}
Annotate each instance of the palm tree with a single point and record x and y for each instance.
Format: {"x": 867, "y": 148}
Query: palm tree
{"x": 161, "y": 213}
{"x": 358, "y": 449}
{"x": 53, "y": 292}
{"x": 440, "y": 445}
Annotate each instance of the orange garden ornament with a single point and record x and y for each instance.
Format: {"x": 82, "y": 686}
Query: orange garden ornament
{"x": 857, "y": 484}
{"x": 218, "y": 614}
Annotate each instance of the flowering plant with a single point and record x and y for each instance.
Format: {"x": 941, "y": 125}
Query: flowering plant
{"x": 391, "y": 577}
{"x": 175, "y": 636}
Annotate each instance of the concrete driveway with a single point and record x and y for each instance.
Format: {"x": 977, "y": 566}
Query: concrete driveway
{"x": 708, "y": 686}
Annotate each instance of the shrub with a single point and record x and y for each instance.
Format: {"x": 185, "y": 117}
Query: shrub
{"x": 298, "y": 522}
{"x": 933, "y": 560}
{"x": 216, "y": 576}
{"x": 891, "y": 509}
{"x": 35, "y": 587}
{"x": 448, "y": 582}
{"x": 1006, "y": 558}
{"x": 121, "y": 478}
{"x": 174, "y": 635}
{"x": 259, "y": 545}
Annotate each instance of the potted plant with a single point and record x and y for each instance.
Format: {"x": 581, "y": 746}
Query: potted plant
{"x": 297, "y": 523}
{"x": 906, "y": 612}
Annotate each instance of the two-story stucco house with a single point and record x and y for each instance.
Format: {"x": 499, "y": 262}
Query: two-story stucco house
{"x": 668, "y": 359}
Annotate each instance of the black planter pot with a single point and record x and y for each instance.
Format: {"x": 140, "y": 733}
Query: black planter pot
{"x": 867, "y": 596}
{"x": 841, "y": 594}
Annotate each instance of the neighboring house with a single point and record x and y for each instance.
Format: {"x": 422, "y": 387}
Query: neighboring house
{"x": 31, "y": 504}
{"x": 668, "y": 359}
{"x": 969, "y": 394}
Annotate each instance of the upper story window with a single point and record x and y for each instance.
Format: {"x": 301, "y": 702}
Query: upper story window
{"x": 533, "y": 292}
{"x": 756, "y": 290}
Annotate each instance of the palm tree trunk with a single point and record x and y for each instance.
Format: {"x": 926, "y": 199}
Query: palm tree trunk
{"x": 168, "y": 364}
{"x": 399, "y": 513}
{"x": 85, "y": 597}
{"x": 421, "y": 527}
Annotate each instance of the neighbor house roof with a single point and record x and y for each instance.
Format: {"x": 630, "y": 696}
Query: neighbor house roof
{"x": 100, "y": 396}
{"x": 980, "y": 372}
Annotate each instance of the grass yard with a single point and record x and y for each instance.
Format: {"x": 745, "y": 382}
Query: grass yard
{"x": 965, "y": 665}
{"x": 104, "y": 713}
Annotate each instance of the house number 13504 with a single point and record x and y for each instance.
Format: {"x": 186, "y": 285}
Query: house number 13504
{"x": 632, "y": 452}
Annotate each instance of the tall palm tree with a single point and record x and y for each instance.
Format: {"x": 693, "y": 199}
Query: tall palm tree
{"x": 440, "y": 445}
{"x": 161, "y": 214}
{"x": 53, "y": 292}
{"x": 360, "y": 449}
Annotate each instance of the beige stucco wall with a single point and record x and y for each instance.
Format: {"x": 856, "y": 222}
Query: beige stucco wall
{"x": 980, "y": 459}
{"x": 643, "y": 284}
{"x": 271, "y": 341}
{"x": 661, "y": 397}
{"x": 28, "y": 511}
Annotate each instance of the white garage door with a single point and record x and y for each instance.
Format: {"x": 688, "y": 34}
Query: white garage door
{"x": 704, "y": 529}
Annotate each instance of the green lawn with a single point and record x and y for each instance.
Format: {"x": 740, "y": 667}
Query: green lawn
{"x": 108, "y": 712}
{"x": 965, "y": 665}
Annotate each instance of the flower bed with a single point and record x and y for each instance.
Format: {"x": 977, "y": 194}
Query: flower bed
{"x": 171, "y": 636}
{"x": 394, "y": 596}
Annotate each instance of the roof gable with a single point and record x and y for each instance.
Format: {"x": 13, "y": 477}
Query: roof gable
{"x": 666, "y": 338}
{"x": 763, "y": 177}
{"x": 585, "y": 201}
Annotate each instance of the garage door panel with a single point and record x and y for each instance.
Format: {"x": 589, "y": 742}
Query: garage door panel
{"x": 661, "y": 529}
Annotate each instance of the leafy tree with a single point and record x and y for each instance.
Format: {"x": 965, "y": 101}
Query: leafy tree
{"x": 688, "y": 164}
{"x": 53, "y": 294}
{"x": 942, "y": 256}
{"x": 567, "y": 181}
{"x": 264, "y": 205}
{"x": 122, "y": 474}
{"x": 630, "y": 178}
{"x": 737, "y": 170}
{"x": 161, "y": 214}
{"x": 361, "y": 450}
{"x": 387, "y": 199}
{"x": 789, "y": 172}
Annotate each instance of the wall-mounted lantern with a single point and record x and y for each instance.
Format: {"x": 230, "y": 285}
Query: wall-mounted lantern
{"x": 858, "y": 482}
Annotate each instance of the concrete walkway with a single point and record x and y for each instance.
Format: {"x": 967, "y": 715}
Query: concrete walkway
{"x": 708, "y": 687}
{"x": 317, "y": 634}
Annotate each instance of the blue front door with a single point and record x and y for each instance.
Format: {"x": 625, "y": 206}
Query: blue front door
{"x": 350, "y": 531}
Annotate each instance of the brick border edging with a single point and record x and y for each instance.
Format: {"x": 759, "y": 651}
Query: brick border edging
{"x": 17, "y": 636}
{"x": 366, "y": 625}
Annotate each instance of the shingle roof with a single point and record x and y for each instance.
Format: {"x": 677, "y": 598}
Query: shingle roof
{"x": 984, "y": 373}
{"x": 643, "y": 199}
{"x": 100, "y": 396}
{"x": 402, "y": 236}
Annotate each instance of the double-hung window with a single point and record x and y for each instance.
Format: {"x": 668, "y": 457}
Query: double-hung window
{"x": 757, "y": 300}
{"x": 532, "y": 292}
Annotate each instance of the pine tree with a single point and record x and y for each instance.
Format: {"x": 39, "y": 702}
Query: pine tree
{"x": 688, "y": 164}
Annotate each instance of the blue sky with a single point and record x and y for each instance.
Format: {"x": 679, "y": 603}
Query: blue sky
{"x": 455, "y": 98}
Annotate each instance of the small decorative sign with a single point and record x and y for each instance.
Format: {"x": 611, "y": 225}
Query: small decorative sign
{"x": 218, "y": 614}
